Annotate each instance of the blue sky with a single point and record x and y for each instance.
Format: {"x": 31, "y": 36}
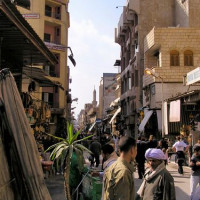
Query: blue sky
{"x": 91, "y": 38}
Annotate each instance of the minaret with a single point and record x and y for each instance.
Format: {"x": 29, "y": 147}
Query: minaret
{"x": 94, "y": 102}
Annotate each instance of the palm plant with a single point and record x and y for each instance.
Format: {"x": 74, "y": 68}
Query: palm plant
{"x": 63, "y": 151}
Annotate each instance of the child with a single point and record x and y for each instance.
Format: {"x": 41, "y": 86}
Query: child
{"x": 195, "y": 176}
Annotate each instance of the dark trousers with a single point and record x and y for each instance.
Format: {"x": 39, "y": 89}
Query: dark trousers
{"x": 141, "y": 169}
{"x": 181, "y": 159}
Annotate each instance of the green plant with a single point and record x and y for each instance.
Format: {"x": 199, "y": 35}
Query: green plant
{"x": 63, "y": 151}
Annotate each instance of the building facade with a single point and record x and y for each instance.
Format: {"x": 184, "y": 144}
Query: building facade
{"x": 135, "y": 33}
{"x": 107, "y": 88}
{"x": 50, "y": 20}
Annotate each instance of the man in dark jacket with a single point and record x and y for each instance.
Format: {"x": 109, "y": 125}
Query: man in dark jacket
{"x": 140, "y": 158}
{"x": 95, "y": 148}
{"x": 158, "y": 184}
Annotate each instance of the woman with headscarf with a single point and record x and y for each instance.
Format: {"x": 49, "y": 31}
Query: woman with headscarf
{"x": 158, "y": 182}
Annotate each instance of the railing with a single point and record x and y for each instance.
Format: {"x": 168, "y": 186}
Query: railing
{"x": 52, "y": 14}
{"x": 53, "y": 41}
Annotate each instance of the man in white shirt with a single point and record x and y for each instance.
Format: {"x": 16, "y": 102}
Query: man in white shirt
{"x": 180, "y": 147}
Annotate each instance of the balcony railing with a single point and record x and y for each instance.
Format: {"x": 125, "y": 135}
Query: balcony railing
{"x": 53, "y": 14}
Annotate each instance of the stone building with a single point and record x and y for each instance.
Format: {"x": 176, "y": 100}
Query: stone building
{"x": 162, "y": 35}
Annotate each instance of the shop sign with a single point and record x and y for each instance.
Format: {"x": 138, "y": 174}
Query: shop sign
{"x": 55, "y": 46}
{"x": 31, "y": 16}
{"x": 193, "y": 76}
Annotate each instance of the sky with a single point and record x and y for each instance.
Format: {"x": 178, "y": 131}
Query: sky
{"x": 91, "y": 38}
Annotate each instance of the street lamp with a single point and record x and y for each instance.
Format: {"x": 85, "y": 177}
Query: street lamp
{"x": 152, "y": 73}
{"x": 71, "y": 56}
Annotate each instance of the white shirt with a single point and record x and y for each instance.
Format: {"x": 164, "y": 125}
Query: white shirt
{"x": 179, "y": 146}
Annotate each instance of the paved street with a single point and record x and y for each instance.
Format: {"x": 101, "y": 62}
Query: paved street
{"x": 182, "y": 183}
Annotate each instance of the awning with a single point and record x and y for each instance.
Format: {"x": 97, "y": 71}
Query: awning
{"x": 114, "y": 116}
{"x": 92, "y": 126}
{"x": 19, "y": 40}
{"x": 145, "y": 120}
{"x": 175, "y": 111}
{"x": 115, "y": 102}
{"x": 38, "y": 75}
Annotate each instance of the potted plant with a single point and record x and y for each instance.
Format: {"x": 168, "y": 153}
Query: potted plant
{"x": 63, "y": 151}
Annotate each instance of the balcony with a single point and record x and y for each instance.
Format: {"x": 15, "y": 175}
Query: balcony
{"x": 52, "y": 14}
{"x": 131, "y": 94}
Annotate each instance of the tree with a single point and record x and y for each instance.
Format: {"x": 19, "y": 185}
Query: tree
{"x": 63, "y": 151}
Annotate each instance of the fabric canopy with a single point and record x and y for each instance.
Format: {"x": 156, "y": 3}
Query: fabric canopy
{"x": 92, "y": 126}
{"x": 21, "y": 175}
{"x": 145, "y": 120}
{"x": 175, "y": 111}
{"x": 115, "y": 115}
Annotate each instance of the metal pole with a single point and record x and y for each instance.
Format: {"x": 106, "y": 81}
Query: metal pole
{"x": 162, "y": 107}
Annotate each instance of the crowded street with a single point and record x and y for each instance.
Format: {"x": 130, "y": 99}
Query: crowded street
{"x": 182, "y": 182}
{"x": 100, "y": 100}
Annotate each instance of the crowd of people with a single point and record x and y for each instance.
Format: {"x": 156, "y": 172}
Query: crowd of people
{"x": 122, "y": 155}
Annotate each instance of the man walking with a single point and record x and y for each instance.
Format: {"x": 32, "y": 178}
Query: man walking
{"x": 195, "y": 176}
{"x": 158, "y": 183}
{"x": 118, "y": 178}
{"x": 180, "y": 147}
{"x": 95, "y": 148}
{"x": 140, "y": 158}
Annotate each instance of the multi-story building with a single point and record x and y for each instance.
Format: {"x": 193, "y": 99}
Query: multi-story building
{"x": 136, "y": 21}
{"x": 159, "y": 35}
{"x": 50, "y": 20}
{"x": 107, "y": 88}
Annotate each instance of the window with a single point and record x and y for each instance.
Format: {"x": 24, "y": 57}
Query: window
{"x": 57, "y": 31}
{"x": 47, "y": 97}
{"x": 174, "y": 58}
{"x": 47, "y": 37}
{"x": 58, "y": 13}
{"x": 48, "y": 11}
{"x": 188, "y": 58}
{"x": 132, "y": 84}
{"x": 136, "y": 78}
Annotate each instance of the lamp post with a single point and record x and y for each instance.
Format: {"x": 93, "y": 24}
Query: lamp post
{"x": 152, "y": 73}
{"x": 71, "y": 56}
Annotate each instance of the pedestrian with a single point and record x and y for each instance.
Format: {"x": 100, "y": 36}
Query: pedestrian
{"x": 166, "y": 156}
{"x": 190, "y": 147}
{"x": 95, "y": 148}
{"x": 180, "y": 148}
{"x": 159, "y": 146}
{"x": 109, "y": 155}
{"x": 158, "y": 182}
{"x": 195, "y": 166}
{"x": 118, "y": 178}
{"x": 152, "y": 143}
{"x": 140, "y": 158}
{"x": 197, "y": 144}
